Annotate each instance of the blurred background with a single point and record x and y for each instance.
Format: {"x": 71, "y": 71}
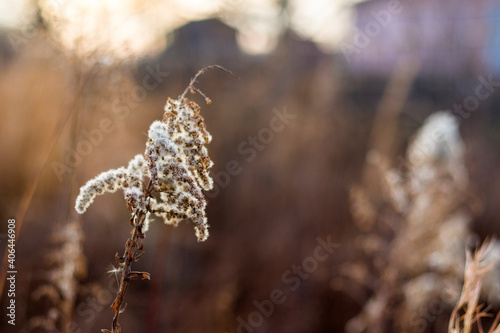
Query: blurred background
{"x": 319, "y": 85}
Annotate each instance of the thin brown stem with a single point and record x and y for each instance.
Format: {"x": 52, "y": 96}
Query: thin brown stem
{"x": 192, "y": 88}
{"x": 133, "y": 248}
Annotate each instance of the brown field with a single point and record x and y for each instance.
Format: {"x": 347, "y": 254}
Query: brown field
{"x": 277, "y": 192}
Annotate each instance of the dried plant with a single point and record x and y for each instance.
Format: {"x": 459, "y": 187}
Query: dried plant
{"x": 167, "y": 181}
{"x": 468, "y": 311}
{"x": 68, "y": 267}
{"x": 415, "y": 229}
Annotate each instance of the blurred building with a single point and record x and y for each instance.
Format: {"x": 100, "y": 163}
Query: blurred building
{"x": 448, "y": 37}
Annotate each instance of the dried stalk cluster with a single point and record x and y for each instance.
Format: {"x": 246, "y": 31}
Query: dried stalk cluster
{"x": 415, "y": 228}
{"x": 468, "y": 312}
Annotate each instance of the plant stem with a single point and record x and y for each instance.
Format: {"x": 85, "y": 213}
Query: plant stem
{"x": 133, "y": 248}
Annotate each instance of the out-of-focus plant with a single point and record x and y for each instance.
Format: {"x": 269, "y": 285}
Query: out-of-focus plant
{"x": 415, "y": 229}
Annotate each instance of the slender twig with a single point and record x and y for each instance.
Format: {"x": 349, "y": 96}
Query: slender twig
{"x": 132, "y": 253}
{"x": 191, "y": 88}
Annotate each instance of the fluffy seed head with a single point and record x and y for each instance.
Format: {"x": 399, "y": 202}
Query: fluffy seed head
{"x": 177, "y": 164}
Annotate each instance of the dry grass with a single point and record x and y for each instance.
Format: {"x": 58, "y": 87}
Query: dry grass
{"x": 423, "y": 228}
{"x": 269, "y": 215}
{"x": 468, "y": 311}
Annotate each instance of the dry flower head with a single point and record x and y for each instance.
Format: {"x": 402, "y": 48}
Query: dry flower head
{"x": 168, "y": 179}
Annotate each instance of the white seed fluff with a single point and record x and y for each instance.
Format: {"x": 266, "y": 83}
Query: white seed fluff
{"x": 176, "y": 162}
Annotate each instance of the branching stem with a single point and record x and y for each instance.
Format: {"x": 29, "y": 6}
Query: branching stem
{"x": 133, "y": 248}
